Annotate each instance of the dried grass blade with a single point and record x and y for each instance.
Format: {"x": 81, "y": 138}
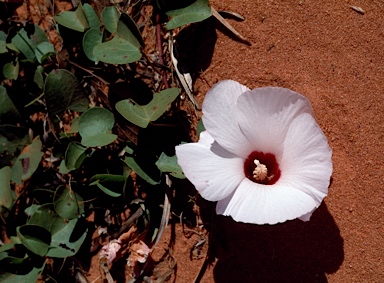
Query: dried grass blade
{"x": 228, "y": 26}
{"x": 181, "y": 77}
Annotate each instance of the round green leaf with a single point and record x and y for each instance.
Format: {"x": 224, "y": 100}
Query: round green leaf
{"x": 95, "y": 126}
{"x": 38, "y": 77}
{"x": 6, "y": 195}
{"x": 44, "y": 50}
{"x": 98, "y": 139}
{"x": 27, "y": 44}
{"x": 67, "y": 203}
{"x": 3, "y": 42}
{"x": 123, "y": 48}
{"x": 27, "y": 162}
{"x": 6, "y": 107}
{"x": 11, "y": 71}
{"x": 61, "y": 245}
{"x": 62, "y": 91}
{"x": 73, "y": 20}
{"x": 60, "y": 85}
{"x": 35, "y": 238}
{"x": 169, "y": 164}
{"x": 74, "y": 155}
{"x": 196, "y": 12}
{"x": 110, "y": 17}
{"x": 109, "y": 184}
{"x": 92, "y": 18}
{"x": 91, "y": 38}
{"x": 141, "y": 115}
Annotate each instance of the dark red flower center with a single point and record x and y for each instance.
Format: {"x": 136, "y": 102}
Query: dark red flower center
{"x": 262, "y": 168}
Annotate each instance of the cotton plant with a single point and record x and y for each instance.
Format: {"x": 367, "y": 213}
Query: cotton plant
{"x": 262, "y": 157}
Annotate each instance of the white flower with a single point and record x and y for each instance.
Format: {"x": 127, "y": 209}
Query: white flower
{"x": 263, "y": 157}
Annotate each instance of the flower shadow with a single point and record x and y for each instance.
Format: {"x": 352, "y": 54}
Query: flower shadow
{"x": 293, "y": 251}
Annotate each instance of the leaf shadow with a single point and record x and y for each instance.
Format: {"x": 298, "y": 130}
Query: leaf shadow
{"x": 293, "y": 251}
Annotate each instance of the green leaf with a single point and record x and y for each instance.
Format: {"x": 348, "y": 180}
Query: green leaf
{"x": 11, "y": 71}
{"x": 6, "y": 194}
{"x": 73, "y": 20}
{"x": 130, "y": 23}
{"x": 6, "y": 105}
{"x": 110, "y": 17}
{"x": 26, "y": 44}
{"x": 142, "y": 115}
{"x": 123, "y": 48}
{"x": 105, "y": 189}
{"x": 38, "y": 77}
{"x": 62, "y": 91}
{"x": 61, "y": 246}
{"x": 169, "y": 164}
{"x": 91, "y": 38}
{"x": 109, "y": 184}
{"x": 44, "y": 50}
{"x": 67, "y": 203}
{"x": 135, "y": 167}
{"x": 31, "y": 277}
{"x": 196, "y": 12}
{"x": 35, "y": 238}
{"x": 3, "y": 42}
{"x": 92, "y": 18}
{"x": 74, "y": 156}
{"x": 12, "y": 139}
{"x": 27, "y": 162}
{"x": 200, "y": 127}
{"x": 95, "y": 126}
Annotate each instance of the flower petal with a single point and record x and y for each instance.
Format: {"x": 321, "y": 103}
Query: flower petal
{"x": 263, "y": 204}
{"x": 306, "y": 163}
{"x": 264, "y": 116}
{"x": 214, "y": 171}
{"x": 219, "y": 117}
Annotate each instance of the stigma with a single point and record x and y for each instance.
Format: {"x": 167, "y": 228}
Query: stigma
{"x": 261, "y": 171}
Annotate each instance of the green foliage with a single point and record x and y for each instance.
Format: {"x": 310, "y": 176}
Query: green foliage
{"x": 73, "y": 20}
{"x": 110, "y": 17}
{"x": 74, "y": 157}
{"x": 143, "y": 115}
{"x": 168, "y": 164}
{"x": 27, "y": 162}
{"x": 196, "y": 12}
{"x": 6, "y": 194}
{"x": 62, "y": 92}
{"x": 123, "y": 48}
{"x": 67, "y": 203}
{"x": 95, "y": 126}
{"x": 3, "y": 42}
{"x": 92, "y": 18}
{"x": 112, "y": 185}
{"x": 92, "y": 38}
{"x": 11, "y": 71}
{"x": 7, "y": 107}
{"x": 40, "y": 157}
{"x": 35, "y": 238}
{"x": 28, "y": 44}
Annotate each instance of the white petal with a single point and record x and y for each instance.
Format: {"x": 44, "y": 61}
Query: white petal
{"x": 219, "y": 117}
{"x": 262, "y": 204}
{"x": 214, "y": 171}
{"x": 307, "y": 159}
{"x": 264, "y": 115}
{"x": 306, "y": 217}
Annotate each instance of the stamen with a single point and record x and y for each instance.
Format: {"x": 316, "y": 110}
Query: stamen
{"x": 261, "y": 172}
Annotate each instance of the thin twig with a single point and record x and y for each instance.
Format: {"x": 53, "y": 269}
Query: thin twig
{"x": 88, "y": 71}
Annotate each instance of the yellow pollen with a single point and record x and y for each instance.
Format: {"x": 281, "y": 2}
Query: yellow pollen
{"x": 261, "y": 172}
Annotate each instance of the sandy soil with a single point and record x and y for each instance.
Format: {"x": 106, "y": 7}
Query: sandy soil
{"x": 334, "y": 55}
